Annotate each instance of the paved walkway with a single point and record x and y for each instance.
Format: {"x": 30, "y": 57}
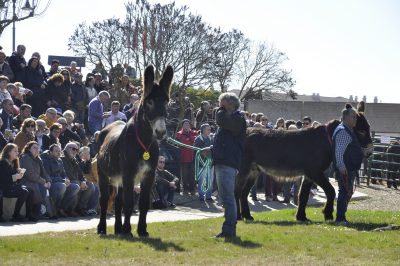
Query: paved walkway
{"x": 188, "y": 208}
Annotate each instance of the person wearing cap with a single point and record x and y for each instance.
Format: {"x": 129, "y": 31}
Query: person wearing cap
{"x": 79, "y": 97}
{"x": 186, "y": 135}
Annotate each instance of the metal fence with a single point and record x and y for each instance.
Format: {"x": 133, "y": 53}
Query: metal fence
{"x": 384, "y": 163}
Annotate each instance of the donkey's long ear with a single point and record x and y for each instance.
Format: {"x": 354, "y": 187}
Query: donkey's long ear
{"x": 148, "y": 81}
{"x": 361, "y": 107}
{"x": 166, "y": 80}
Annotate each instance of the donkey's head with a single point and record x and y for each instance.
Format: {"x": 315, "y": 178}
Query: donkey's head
{"x": 362, "y": 130}
{"x": 155, "y": 99}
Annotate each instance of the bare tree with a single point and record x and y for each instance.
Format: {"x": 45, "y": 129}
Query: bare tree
{"x": 22, "y": 11}
{"x": 166, "y": 34}
{"x": 226, "y": 49}
{"x": 102, "y": 41}
{"x": 260, "y": 72}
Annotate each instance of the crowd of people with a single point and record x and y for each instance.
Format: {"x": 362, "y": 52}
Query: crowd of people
{"x": 49, "y": 123}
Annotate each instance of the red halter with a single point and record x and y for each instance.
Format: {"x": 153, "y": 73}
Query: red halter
{"x": 146, "y": 154}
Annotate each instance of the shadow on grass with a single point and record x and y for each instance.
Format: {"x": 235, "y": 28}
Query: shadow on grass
{"x": 359, "y": 226}
{"x": 242, "y": 243}
{"x": 155, "y": 243}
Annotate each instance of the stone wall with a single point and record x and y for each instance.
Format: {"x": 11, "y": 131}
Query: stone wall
{"x": 383, "y": 117}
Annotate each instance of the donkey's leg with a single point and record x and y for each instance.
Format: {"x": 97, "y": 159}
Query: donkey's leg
{"x": 127, "y": 191}
{"x": 303, "y": 199}
{"x": 323, "y": 182}
{"x": 103, "y": 185}
{"x": 118, "y": 211}
{"x": 144, "y": 202}
{"x": 241, "y": 180}
{"x": 251, "y": 180}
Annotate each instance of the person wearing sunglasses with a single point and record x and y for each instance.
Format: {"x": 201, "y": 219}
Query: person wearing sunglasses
{"x": 75, "y": 175}
{"x": 27, "y": 133}
{"x": 307, "y": 122}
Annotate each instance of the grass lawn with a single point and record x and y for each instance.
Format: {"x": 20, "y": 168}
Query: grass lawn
{"x": 273, "y": 238}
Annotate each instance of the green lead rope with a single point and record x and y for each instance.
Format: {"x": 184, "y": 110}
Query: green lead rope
{"x": 202, "y": 166}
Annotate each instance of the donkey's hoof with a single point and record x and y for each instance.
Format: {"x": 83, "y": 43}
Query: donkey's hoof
{"x": 249, "y": 218}
{"x": 328, "y": 217}
{"x": 143, "y": 233}
{"x": 126, "y": 235}
{"x": 304, "y": 221}
{"x": 101, "y": 232}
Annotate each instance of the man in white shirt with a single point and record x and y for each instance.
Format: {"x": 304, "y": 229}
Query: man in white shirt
{"x": 114, "y": 114}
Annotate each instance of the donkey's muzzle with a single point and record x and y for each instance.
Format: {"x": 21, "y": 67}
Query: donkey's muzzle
{"x": 160, "y": 134}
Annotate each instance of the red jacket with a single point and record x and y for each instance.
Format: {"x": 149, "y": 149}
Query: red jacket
{"x": 187, "y": 155}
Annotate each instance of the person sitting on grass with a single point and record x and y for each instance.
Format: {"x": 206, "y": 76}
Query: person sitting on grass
{"x": 165, "y": 184}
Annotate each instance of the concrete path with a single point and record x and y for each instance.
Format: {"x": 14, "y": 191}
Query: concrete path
{"x": 188, "y": 208}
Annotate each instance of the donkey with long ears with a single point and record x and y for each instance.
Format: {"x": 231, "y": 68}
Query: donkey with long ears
{"x": 286, "y": 155}
{"x": 129, "y": 152}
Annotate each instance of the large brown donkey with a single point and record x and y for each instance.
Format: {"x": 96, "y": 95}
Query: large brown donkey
{"x": 128, "y": 154}
{"x": 289, "y": 154}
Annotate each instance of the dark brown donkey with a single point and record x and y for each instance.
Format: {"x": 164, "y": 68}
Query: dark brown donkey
{"x": 128, "y": 154}
{"x": 289, "y": 154}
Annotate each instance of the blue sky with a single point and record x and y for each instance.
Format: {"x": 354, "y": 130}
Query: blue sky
{"x": 336, "y": 48}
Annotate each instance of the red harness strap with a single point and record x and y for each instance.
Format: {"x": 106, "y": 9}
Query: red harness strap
{"x": 146, "y": 154}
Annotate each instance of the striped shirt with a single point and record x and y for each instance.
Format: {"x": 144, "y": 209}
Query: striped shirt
{"x": 342, "y": 140}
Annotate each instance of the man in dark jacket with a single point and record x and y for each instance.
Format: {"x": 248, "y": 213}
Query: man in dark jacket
{"x": 227, "y": 154}
{"x": 346, "y": 160}
{"x": 24, "y": 112}
{"x": 61, "y": 191}
{"x": 79, "y": 97}
{"x": 75, "y": 175}
{"x": 18, "y": 63}
{"x": 165, "y": 184}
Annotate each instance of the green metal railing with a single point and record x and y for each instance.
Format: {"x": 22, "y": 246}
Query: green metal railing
{"x": 379, "y": 167}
